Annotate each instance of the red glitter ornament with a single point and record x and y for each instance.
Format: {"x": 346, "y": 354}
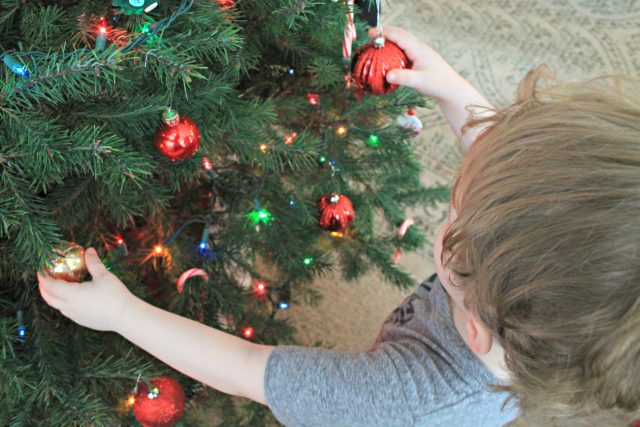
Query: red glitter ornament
{"x": 178, "y": 138}
{"x": 373, "y": 61}
{"x": 161, "y": 404}
{"x": 336, "y": 212}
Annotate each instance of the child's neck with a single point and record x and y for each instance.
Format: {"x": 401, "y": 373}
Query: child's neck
{"x": 494, "y": 360}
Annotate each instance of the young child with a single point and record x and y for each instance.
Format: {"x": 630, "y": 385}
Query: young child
{"x": 536, "y": 296}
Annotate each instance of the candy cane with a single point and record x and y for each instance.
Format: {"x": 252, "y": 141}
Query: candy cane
{"x": 402, "y": 230}
{"x": 349, "y": 31}
{"x": 188, "y": 275}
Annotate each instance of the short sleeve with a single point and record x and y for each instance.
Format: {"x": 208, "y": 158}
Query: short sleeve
{"x": 319, "y": 387}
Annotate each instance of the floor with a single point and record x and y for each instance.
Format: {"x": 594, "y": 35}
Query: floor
{"x": 493, "y": 43}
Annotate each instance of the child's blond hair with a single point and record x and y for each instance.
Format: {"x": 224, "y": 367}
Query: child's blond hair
{"x": 547, "y": 244}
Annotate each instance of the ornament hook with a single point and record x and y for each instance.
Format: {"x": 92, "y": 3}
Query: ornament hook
{"x": 378, "y": 42}
{"x": 378, "y": 20}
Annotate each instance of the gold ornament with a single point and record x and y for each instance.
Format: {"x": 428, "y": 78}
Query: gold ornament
{"x": 69, "y": 265}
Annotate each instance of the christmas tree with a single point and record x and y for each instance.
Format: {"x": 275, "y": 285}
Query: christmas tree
{"x": 270, "y": 169}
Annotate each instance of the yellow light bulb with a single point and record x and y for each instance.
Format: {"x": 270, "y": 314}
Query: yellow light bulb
{"x": 341, "y": 130}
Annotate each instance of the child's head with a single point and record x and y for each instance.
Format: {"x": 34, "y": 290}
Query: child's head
{"x": 546, "y": 243}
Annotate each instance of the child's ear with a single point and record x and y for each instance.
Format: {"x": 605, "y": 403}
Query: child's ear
{"x": 479, "y": 337}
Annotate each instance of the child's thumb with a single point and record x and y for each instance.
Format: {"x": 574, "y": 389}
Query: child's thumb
{"x": 408, "y": 78}
{"x": 93, "y": 263}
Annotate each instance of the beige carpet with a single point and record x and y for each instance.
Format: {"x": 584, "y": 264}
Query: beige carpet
{"x": 493, "y": 43}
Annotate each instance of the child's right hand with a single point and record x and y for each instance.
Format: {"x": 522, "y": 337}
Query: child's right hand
{"x": 430, "y": 75}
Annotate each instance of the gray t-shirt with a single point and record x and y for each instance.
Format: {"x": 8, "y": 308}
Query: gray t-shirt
{"x": 418, "y": 373}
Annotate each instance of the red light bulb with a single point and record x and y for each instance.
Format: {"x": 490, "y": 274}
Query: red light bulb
{"x": 314, "y": 98}
{"x": 290, "y": 138}
{"x": 206, "y": 163}
{"x": 247, "y": 332}
{"x": 260, "y": 288}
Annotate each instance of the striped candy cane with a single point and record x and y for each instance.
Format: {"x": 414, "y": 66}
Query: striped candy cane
{"x": 402, "y": 230}
{"x": 189, "y": 274}
{"x": 349, "y": 31}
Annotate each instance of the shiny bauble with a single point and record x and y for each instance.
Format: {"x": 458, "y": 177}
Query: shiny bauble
{"x": 179, "y": 137}
{"x": 68, "y": 264}
{"x": 161, "y": 404}
{"x": 373, "y": 61}
{"x": 336, "y": 212}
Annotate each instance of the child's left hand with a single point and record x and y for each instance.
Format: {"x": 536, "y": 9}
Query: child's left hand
{"x": 96, "y": 304}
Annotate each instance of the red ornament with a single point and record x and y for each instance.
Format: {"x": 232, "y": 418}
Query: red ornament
{"x": 161, "y": 404}
{"x": 336, "y": 212}
{"x": 373, "y": 61}
{"x": 178, "y": 138}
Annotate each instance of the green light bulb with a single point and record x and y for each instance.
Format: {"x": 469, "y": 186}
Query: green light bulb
{"x": 374, "y": 141}
{"x": 307, "y": 260}
{"x": 260, "y": 216}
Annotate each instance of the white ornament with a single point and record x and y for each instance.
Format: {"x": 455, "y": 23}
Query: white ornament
{"x": 409, "y": 121}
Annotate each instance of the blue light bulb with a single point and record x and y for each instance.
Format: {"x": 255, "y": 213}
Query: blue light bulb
{"x": 203, "y": 245}
{"x": 292, "y": 71}
{"x": 283, "y": 305}
{"x": 15, "y": 66}
{"x": 292, "y": 202}
{"x": 22, "y": 331}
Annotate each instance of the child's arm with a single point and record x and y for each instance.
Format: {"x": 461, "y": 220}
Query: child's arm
{"x": 431, "y": 75}
{"x": 220, "y": 360}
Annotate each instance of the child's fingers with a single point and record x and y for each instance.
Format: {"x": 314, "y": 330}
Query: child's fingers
{"x": 408, "y": 78}
{"x": 413, "y": 48}
{"x": 94, "y": 265}
{"x": 49, "y": 299}
{"x": 57, "y": 289}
